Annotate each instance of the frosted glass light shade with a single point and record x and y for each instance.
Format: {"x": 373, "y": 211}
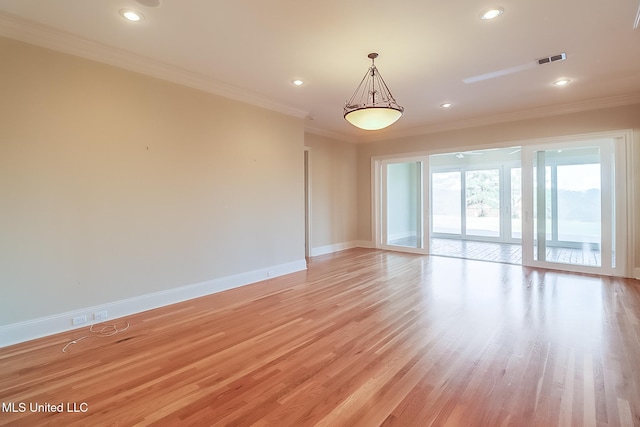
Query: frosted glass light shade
{"x": 372, "y": 107}
{"x": 373, "y": 118}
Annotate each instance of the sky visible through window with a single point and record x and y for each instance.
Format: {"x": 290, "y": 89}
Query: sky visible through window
{"x": 580, "y": 177}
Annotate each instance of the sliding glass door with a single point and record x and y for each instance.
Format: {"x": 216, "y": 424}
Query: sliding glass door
{"x": 572, "y": 218}
{"x": 402, "y": 208}
{"x": 559, "y": 205}
{"x": 476, "y": 195}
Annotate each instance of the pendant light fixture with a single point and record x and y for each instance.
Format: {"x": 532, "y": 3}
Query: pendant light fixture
{"x": 372, "y": 106}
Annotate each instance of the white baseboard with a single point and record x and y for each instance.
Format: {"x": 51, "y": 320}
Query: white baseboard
{"x": 329, "y": 249}
{"x": 36, "y": 328}
{"x": 637, "y": 273}
{"x": 365, "y": 244}
{"x": 401, "y": 235}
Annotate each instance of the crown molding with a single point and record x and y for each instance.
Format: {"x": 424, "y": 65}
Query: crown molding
{"x": 331, "y": 134}
{"x": 17, "y": 28}
{"x": 535, "y": 113}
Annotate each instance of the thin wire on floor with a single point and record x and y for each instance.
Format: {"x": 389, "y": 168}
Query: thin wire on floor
{"x": 105, "y": 331}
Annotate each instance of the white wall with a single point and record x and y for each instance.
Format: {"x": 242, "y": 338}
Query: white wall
{"x": 334, "y": 194}
{"x": 115, "y": 185}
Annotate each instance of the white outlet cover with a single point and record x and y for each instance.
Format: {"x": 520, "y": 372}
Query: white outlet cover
{"x": 79, "y": 320}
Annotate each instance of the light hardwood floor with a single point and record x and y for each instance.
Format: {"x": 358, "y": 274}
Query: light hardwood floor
{"x": 363, "y": 338}
{"x": 508, "y": 253}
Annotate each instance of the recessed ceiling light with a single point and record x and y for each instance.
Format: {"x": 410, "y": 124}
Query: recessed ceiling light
{"x": 561, "y": 82}
{"x": 131, "y": 15}
{"x": 297, "y": 82}
{"x": 446, "y": 105}
{"x": 492, "y": 13}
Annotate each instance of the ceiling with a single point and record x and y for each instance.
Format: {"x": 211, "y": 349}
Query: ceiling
{"x": 251, "y": 50}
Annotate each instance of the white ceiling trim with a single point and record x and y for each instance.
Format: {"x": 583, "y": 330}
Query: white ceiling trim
{"x": 597, "y": 104}
{"x": 41, "y": 35}
{"x": 23, "y": 30}
{"x": 329, "y": 134}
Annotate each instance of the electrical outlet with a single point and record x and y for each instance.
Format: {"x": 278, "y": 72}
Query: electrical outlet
{"x": 79, "y": 320}
{"x": 100, "y": 315}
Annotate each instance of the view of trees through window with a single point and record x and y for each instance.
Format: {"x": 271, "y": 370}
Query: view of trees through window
{"x": 482, "y": 197}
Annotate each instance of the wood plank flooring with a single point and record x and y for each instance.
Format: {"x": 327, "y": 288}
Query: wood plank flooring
{"x": 362, "y": 338}
{"x": 508, "y": 253}
{"x": 483, "y": 251}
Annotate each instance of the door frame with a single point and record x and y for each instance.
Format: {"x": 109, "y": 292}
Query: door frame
{"x": 378, "y": 197}
{"x": 308, "y": 248}
{"x": 621, "y": 151}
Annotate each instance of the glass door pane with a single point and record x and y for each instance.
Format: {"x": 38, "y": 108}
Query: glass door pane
{"x": 568, "y": 206}
{"x": 516, "y": 203}
{"x": 541, "y": 203}
{"x": 482, "y": 195}
{"x": 446, "y": 202}
{"x": 403, "y": 208}
{"x": 579, "y": 207}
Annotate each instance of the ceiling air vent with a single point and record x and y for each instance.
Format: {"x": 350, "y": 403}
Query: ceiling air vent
{"x": 559, "y": 57}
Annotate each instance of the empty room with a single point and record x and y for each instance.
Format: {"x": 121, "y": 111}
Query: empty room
{"x": 332, "y": 213}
